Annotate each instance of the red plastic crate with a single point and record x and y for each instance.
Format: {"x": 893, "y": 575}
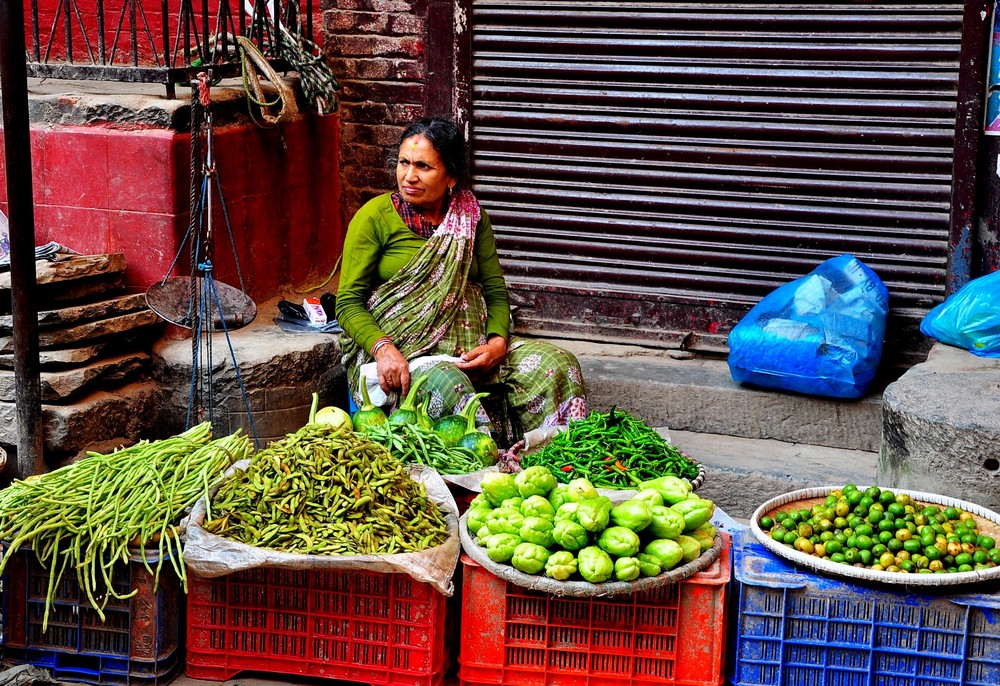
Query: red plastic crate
{"x": 674, "y": 634}
{"x": 357, "y": 626}
{"x": 137, "y": 643}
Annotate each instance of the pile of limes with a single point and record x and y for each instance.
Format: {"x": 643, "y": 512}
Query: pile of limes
{"x": 881, "y": 530}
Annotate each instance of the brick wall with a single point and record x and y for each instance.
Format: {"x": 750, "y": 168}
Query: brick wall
{"x": 378, "y": 50}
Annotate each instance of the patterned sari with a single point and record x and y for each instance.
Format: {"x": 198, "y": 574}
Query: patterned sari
{"x": 431, "y": 308}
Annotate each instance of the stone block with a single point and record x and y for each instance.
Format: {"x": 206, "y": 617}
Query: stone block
{"x": 941, "y": 428}
{"x": 95, "y": 420}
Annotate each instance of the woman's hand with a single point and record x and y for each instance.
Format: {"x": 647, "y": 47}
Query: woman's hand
{"x": 393, "y": 370}
{"x": 484, "y": 358}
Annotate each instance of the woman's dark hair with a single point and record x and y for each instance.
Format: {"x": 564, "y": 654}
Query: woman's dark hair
{"x": 446, "y": 138}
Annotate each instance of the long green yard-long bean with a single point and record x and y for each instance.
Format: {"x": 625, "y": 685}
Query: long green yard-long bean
{"x": 85, "y": 516}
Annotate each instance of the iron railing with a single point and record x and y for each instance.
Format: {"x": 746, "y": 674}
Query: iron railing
{"x": 155, "y": 41}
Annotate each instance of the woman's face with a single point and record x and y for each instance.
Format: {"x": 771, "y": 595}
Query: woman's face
{"x": 420, "y": 174}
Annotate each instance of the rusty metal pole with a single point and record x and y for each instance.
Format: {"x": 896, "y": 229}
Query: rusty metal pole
{"x": 21, "y": 220}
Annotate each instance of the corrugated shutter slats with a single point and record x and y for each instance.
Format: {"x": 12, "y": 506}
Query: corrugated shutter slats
{"x": 706, "y": 153}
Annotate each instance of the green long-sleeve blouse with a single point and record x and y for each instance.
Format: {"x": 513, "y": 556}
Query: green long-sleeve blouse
{"x": 379, "y": 244}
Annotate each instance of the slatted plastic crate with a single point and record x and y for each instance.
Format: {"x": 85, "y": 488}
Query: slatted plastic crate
{"x": 137, "y": 643}
{"x": 356, "y": 626}
{"x": 671, "y": 635}
{"x": 793, "y": 627}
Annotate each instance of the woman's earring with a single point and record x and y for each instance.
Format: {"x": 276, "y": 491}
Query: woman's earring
{"x": 450, "y": 189}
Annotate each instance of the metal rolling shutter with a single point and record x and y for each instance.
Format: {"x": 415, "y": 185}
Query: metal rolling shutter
{"x": 652, "y": 169}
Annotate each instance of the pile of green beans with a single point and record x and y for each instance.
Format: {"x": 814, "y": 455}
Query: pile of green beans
{"x": 611, "y": 449}
{"x": 85, "y": 516}
{"x": 413, "y": 443}
{"x": 326, "y": 490}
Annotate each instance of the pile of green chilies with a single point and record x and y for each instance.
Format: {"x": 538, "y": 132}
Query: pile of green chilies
{"x": 85, "y": 516}
{"x": 612, "y": 450}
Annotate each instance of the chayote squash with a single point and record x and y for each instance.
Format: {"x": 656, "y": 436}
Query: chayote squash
{"x": 627, "y": 568}
{"x": 594, "y": 564}
{"x": 619, "y": 541}
{"x": 537, "y": 506}
{"x": 570, "y": 535}
{"x": 536, "y": 480}
{"x": 530, "y": 558}
{"x": 668, "y": 552}
{"x": 537, "y": 530}
{"x": 691, "y": 548}
{"x": 696, "y": 511}
{"x": 666, "y": 523}
{"x": 594, "y": 513}
{"x": 632, "y": 514}
{"x": 500, "y": 547}
{"x": 671, "y": 488}
{"x": 561, "y": 565}
{"x": 497, "y": 487}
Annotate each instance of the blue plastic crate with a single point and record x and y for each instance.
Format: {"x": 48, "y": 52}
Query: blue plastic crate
{"x": 136, "y": 644}
{"x": 793, "y": 627}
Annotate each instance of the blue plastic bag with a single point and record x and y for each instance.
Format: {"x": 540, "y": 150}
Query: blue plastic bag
{"x": 969, "y": 318}
{"x": 820, "y": 334}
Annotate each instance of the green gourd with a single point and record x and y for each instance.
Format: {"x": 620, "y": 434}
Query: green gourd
{"x": 479, "y": 443}
{"x": 369, "y": 415}
{"x": 407, "y": 411}
{"x": 424, "y": 420}
{"x": 452, "y": 427}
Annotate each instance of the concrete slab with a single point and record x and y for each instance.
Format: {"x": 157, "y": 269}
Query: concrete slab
{"x": 697, "y": 393}
{"x": 743, "y": 473}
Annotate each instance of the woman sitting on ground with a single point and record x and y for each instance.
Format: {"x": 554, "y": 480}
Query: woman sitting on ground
{"x": 421, "y": 279}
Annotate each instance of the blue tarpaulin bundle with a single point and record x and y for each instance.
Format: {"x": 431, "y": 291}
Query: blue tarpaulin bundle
{"x": 820, "y": 334}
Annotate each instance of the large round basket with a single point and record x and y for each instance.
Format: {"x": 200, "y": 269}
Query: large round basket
{"x": 583, "y": 588}
{"x": 988, "y": 523}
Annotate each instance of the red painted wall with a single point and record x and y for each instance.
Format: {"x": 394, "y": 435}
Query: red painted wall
{"x": 104, "y": 189}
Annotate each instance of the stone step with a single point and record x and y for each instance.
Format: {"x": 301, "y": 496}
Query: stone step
{"x": 743, "y": 473}
{"x": 698, "y": 394}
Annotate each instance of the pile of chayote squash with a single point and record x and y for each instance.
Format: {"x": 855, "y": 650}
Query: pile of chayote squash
{"x": 538, "y": 526}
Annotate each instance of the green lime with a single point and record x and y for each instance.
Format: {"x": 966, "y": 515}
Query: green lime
{"x": 894, "y": 545}
{"x": 865, "y": 542}
{"x": 878, "y": 549}
{"x": 980, "y": 557}
{"x": 873, "y": 492}
{"x": 930, "y": 510}
{"x": 952, "y": 513}
{"x": 963, "y": 559}
{"x": 874, "y": 517}
{"x": 778, "y": 534}
{"x": 865, "y": 557}
{"x": 854, "y": 498}
{"x": 986, "y": 542}
{"x": 837, "y": 557}
{"x": 895, "y": 509}
{"x": 851, "y": 555}
{"x": 766, "y": 523}
{"x": 965, "y": 568}
{"x": 790, "y": 537}
{"x": 886, "y": 497}
{"x": 864, "y": 530}
{"x": 866, "y": 502}
{"x": 912, "y": 545}
{"x": 834, "y": 546}
{"x": 780, "y": 516}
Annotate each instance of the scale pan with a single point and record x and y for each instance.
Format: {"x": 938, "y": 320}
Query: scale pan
{"x": 171, "y": 300}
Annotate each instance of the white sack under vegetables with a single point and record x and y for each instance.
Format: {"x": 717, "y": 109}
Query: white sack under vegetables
{"x": 84, "y": 517}
{"x": 327, "y": 497}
